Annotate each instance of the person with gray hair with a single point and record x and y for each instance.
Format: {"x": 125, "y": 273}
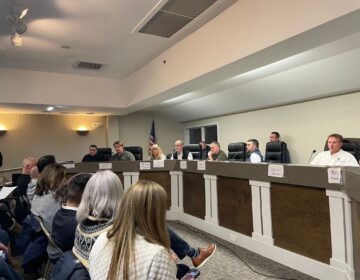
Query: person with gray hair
{"x": 98, "y": 206}
{"x": 215, "y": 153}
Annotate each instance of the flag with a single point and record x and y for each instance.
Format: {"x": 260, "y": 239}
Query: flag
{"x": 152, "y": 136}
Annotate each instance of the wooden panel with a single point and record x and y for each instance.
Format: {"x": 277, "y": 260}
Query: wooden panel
{"x": 355, "y": 215}
{"x": 301, "y": 220}
{"x": 121, "y": 177}
{"x": 163, "y": 179}
{"x": 194, "y": 194}
{"x": 234, "y": 204}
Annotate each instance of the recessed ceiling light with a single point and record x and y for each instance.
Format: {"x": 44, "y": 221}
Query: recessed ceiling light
{"x": 50, "y": 108}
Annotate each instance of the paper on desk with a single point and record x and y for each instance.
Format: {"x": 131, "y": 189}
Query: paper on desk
{"x": 334, "y": 175}
{"x": 5, "y": 191}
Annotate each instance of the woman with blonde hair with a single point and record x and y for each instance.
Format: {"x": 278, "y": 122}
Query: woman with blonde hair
{"x": 138, "y": 245}
{"x": 156, "y": 153}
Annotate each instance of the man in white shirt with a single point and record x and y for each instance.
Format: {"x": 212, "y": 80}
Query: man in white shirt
{"x": 179, "y": 151}
{"x": 253, "y": 153}
{"x": 335, "y": 156}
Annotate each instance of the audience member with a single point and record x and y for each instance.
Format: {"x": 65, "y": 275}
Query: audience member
{"x": 96, "y": 211}
{"x": 215, "y": 153}
{"x": 47, "y": 198}
{"x": 156, "y": 153}
{"x": 22, "y": 205}
{"x": 93, "y": 155}
{"x": 138, "y": 245}
{"x": 64, "y": 223}
{"x": 204, "y": 150}
{"x": 121, "y": 154}
{"x": 34, "y": 174}
{"x": 275, "y": 137}
{"x": 253, "y": 153}
{"x": 180, "y": 153}
{"x": 44, "y": 161}
{"x": 335, "y": 156}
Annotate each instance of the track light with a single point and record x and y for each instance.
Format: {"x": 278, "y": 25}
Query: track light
{"x": 16, "y": 40}
{"x": 18, "y": 11}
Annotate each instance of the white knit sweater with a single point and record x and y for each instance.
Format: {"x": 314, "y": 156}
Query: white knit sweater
{"x": 151, "y": 261}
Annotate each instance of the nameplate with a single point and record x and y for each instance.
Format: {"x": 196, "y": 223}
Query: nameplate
{"x": 183, "y": 164}
{"x": 145, "y": 165}
{"x": 201, "y": 165}
{"x": 105, "y": 165}
{"x": 158, "y": 164}
{"x": 69, "y": 165}
{"x": 276, "y": 170}
{"x": 334, "y": 175}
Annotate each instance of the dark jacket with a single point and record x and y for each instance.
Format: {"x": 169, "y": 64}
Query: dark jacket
{"x": 184, "y": 155}
{"x": 68, "y": 267}
{"x": 96, "y": 158}
{"x": 63, "y": 229}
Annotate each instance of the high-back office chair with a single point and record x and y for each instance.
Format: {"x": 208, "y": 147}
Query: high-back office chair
{"x": 106, "y": 152}
{"x": 237, "y": 151}
{"x": 350, "y": 145}
{"x": 194, "y": 149}
{"x": 276, "y": 152}
{"x": 137, "y": 151}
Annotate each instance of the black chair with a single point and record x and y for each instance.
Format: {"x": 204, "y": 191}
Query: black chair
{"x": 350, "y": 145}
{"x": 276, "y": 152}
{"x": 168, "y": 156}
{"x": 106, "y": 152}
{"x": 237, "y": 151}
{"x": 194, "y": 149}
{"x": 137, "y": 151}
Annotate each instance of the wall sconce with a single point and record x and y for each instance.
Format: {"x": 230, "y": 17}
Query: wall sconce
{"x": 82, "y": 131}
{"x": 3, "y": 130}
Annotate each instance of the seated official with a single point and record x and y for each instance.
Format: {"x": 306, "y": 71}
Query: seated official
{"x": 180, "y": 153}
{"x": 156, "y": 153}
{"x": 253, "y": 153}
{"x": 121, "y": 154}
{"x": 93, "y": 155}
{"x": 204, "y": 150}
{"x": 215, "y": 153}
{"x": 335, "y": 156}
{"x": 275, "y": 137}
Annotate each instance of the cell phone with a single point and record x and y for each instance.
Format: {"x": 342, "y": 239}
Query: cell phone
{"x": 192, "y": 274}
{"x": 3, "y": 255}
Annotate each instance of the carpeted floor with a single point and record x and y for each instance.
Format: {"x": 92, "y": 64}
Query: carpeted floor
{"x": 228, "y": 261}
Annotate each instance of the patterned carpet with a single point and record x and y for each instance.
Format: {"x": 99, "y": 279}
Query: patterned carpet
{"x": 229, "y": 260}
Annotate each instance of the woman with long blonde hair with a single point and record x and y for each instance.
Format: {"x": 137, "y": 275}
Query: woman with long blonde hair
{"x": 138, "y": 245}
{"x": 156, "y": 153}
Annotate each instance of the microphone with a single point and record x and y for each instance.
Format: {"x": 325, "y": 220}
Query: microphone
{"x": 312, "y": 153}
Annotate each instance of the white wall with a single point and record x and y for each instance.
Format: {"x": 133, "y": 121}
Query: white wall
{"x": 134, "y": 130}
{"x": 304, "y": 126}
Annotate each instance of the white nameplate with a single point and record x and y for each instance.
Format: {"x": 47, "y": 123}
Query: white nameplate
{"x": 145, "y": 165}
{"x": 334, "y": 175}
{"x": 158, "y": 164}
{"x": 276, "y": 170}
{"x": 105, "y": 165}
{"x": 69, "y": 165}
{"x": 183, "y": 164}
{"x": 201, "y": 165}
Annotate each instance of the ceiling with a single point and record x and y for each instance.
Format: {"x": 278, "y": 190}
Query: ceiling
{"x": 321, "y": 62}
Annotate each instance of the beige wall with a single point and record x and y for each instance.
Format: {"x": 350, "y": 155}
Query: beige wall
{"x": 134, "y": 129}
{"x": 303, "y": 126}
{"x": 37, "y": 135}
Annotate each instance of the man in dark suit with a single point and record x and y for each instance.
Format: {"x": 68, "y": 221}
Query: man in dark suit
{"x": 93, "y": 155}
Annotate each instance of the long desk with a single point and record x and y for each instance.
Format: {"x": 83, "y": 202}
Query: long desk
{"x": 300, "y": 220}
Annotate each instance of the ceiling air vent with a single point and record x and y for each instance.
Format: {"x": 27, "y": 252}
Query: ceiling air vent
{"x": 88, "y": 65}
{"x": 174, "y": 15}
